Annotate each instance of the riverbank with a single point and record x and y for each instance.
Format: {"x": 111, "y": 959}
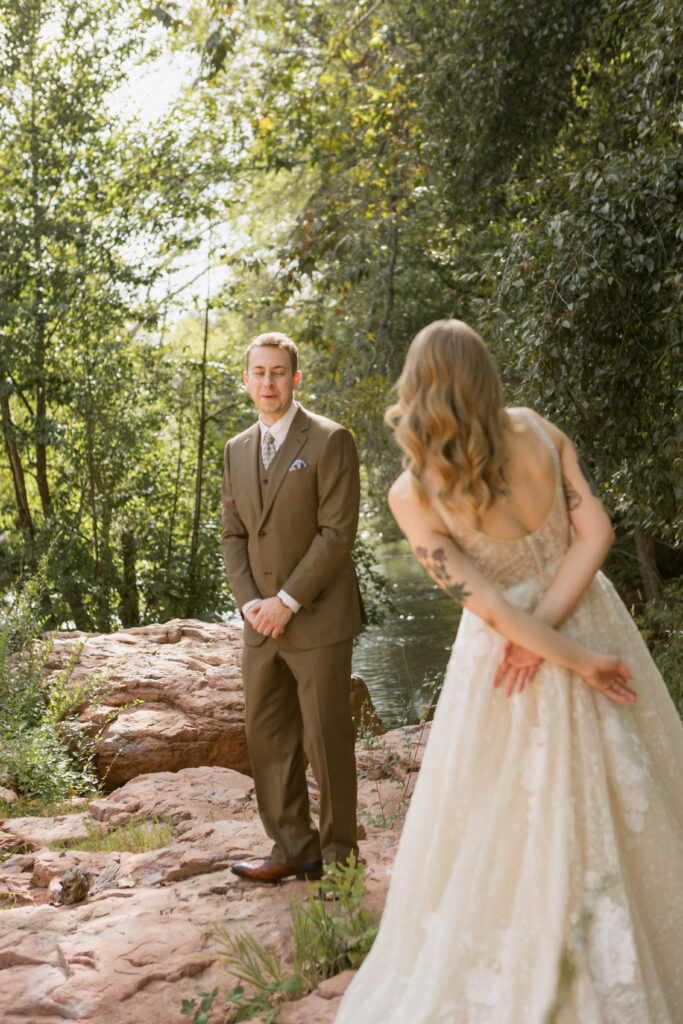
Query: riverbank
{"x": 401, "y": 659}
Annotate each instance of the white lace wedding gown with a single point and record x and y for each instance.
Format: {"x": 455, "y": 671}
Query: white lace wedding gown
{"x": 544, "y": 829}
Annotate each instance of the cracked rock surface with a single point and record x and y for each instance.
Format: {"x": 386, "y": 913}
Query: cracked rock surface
{"x": 179, "y": 685}
{"x": 144, "y": 939}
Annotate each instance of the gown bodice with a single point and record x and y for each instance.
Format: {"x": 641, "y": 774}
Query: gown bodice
{"x": 506, "y": 563}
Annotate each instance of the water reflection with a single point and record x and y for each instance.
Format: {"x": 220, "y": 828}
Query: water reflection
{"x": 413, "y": 645}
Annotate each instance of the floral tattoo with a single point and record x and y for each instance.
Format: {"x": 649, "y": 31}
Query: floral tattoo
{"x": 435, "y": 564}
{"x": 571, "y": 494}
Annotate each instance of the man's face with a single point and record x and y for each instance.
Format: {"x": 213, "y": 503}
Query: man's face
{"x": 270, "y": 381}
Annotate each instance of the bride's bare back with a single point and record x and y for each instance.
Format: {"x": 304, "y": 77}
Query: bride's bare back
{"x": 530, "y": 475}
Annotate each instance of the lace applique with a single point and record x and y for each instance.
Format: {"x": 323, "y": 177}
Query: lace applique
{"x": 487, "y": 981}
{"x": 482, "y": 987}
{"x": 631, "y": 773}
{"x": 612, "y": 950}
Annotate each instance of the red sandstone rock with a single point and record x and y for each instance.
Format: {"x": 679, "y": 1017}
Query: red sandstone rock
{"x": 186, "y": 681}
{"x": 180, "y": 687}
{"x": 135, "y": 950}
{"x": 40, "y": 831}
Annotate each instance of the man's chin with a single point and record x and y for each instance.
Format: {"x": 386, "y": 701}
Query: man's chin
{"x": 273, "y": 407}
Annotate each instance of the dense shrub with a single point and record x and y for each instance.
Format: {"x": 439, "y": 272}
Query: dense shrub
{"x": 42, "y": 752}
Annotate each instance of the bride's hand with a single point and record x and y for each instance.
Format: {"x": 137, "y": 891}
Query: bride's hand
{"x": 609, "y": 675}
{"x": 517, "y": 667}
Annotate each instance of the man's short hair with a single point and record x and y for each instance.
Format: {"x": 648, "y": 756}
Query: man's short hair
{"x": 274, "y": 339}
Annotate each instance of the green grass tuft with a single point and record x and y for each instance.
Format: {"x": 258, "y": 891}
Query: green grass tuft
{"x": 331, "y": 931}
{"x": 136, "y": 836}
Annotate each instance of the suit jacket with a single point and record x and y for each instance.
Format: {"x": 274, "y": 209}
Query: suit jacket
{"x": 300, "y": 537}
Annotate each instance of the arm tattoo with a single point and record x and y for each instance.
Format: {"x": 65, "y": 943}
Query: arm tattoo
{"x": 435, "y": 564}
{"x": 573, "y": 497}
{"x": 589, "y": 480}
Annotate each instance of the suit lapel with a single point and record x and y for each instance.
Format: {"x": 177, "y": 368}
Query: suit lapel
{"x": 294, "y": 441}
{"x": 248, "y": 469}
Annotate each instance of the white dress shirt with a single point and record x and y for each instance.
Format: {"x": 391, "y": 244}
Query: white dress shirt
{"x": 279, "y": 431}
{"x": 280, "y": 428}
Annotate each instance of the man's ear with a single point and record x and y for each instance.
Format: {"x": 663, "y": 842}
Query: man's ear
{"x": 245, "y": 378}
{"x": 297, "y": 378}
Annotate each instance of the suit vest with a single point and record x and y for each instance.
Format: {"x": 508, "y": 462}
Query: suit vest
{"x": 264, "y": 474}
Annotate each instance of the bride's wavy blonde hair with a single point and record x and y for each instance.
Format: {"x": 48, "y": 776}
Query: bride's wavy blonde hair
{"x": 450, "y": 415}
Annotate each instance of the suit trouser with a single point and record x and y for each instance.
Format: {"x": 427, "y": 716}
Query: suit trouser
{"x": 298, "y": 700}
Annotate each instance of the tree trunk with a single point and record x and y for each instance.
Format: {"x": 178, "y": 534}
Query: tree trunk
{"x": 41, "y": 447}
{"x": 23, "y": 508}
{"x": 176, "y": 495}
{"x": 645, "y": 551}
{"x": 129, "y": 607}
{"x": 92, "y": 495}
{"x": 194, "y": 545}
{"x": 9, "y": 434}
{"x": 39, "y": 318}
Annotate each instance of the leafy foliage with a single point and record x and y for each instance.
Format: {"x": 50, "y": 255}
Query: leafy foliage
{"x": 200, "y": 1015}
{"x": 45, "y": 757}
{"x": 331, "y": 931}
{"x": 350, "y": 173}
{"x": 661, "y": 624}
{"x": 98, "y": 208}
{"x": 591, "y": 284}
{"x": 519, "y": 166}
{"x": 255, "y": 966}
{"x": 372, "y": 582}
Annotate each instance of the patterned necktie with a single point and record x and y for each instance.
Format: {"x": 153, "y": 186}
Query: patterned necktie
{"x": 267, "y": 449}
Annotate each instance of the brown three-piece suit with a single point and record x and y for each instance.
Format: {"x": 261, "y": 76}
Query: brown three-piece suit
{"x": 292, "y": 527}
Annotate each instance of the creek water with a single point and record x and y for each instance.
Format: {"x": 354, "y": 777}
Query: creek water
{"x": 401, "y": 658}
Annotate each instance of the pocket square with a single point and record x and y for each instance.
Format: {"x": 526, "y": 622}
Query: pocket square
{"x": 297, "y": 464}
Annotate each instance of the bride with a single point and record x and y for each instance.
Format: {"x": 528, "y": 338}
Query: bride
{"x": 538, "y": 877}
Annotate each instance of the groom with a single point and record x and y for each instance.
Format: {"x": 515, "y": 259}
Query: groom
{"x": 290, "y": 511}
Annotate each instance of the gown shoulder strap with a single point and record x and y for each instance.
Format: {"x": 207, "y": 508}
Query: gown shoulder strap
{"x": 550, "y": 445}
{"x": 543, "y": 434}
{"x": 458, "y": 529}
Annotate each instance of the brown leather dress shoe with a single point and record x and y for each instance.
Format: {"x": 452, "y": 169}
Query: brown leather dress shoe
{"x": 268, "y": 870}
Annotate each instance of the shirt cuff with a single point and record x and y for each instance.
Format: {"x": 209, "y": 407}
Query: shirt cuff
{"x": 289, "y": 601}
{"x": 250, "y": 604}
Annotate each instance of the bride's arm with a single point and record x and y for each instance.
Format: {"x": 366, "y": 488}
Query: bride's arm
{"x": 592, "y": 531}
{"x": 455, "y": 572}
{"x": 592, "y": 537}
